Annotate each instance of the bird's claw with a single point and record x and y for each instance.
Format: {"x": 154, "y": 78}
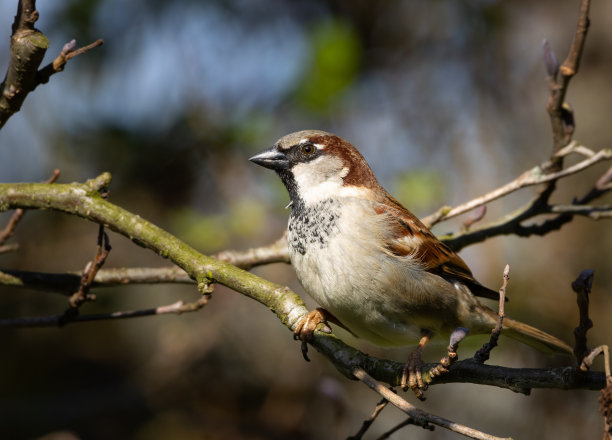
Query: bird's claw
{"x": 412, "y": 376}
{"x": 307, "y": 325}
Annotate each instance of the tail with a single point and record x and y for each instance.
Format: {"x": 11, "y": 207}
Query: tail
{"x": 536, "y": 338}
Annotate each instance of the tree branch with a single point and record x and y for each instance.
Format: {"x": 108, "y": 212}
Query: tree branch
{"x": 68, "y": 52}
{"x": 176, "y": 308}
{"x": 561, "y": 115}
{"x": 368, "y": 422}
{"x": 89, "y": 273}
{"x": 277, "y": 252}
{"x": 483, "y": 354}
{"x": 535, "y": 176}
{"x": 418, "y": 416}
{"x": 549, "y": 172}
{"x": 582, "y": 287}
{"x": 84, "y": 200}
{"x": 512, "y": 222}
{"x": 28, "y": 48}
{"x": 10, "y": 227}
{"x": 66, "y": 283}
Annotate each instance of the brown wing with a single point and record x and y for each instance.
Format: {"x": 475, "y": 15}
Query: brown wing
{"x": 413, "y": 238}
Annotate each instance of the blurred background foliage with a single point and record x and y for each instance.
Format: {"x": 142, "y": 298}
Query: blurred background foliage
{"x": 444, "y": 98}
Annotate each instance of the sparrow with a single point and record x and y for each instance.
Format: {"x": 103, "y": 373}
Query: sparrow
{"x": 373, "y": 266}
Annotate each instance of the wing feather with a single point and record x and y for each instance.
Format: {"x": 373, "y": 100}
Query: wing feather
{"x": 411, "y": 237}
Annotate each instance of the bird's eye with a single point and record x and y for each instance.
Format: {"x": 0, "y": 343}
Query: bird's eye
{"x": 308, "y": 149}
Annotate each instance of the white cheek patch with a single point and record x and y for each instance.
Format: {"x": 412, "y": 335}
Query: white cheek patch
{"x": 358, "y": 192}
{"x": 319, "y": 179}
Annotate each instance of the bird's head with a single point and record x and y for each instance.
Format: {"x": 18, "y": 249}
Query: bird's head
{"x": 315, "y": 165}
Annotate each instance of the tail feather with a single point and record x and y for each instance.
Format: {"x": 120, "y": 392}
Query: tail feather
{"x": 534, "y": 337}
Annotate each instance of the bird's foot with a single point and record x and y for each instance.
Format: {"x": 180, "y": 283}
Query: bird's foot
{"x": 412, "y": 376}
{"x": 307, "y": 325}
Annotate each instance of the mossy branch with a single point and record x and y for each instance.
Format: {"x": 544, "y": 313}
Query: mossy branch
{"x": 85, "y": 200}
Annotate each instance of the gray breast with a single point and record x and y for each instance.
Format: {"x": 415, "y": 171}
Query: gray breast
{"x": 313, "y": 226}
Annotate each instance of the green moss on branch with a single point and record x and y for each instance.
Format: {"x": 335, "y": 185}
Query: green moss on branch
{"x": 84, "y": 200}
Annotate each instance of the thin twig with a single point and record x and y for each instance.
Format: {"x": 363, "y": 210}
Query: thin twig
{"x": 13, "y": 247}
{"x": 593, "y": 212}
{"x": 569, "y": 68}
{"x": 604, "y": 183}
{"x": 587, "y": 361}
{"x": 177, "y": 308}
{"x": 535, "y": 176}
{"x": 368, "y": 422}
{"x": 407, "y": 422}
{"x": 558, "y": 110}
{"x": 68, "y": 52}
{"x": 277, "y": 252}
{"x": 476, "y": 215}
{"x": 10, "y": 227}
{"x": 83, "y": 200}
{"x": 89, "y": 273}
{"x": 582, "y": 286}
{"x": 420, "y": 417}
{"x": 17, "y": 216}
{"x": 562, "y": 121}
{"x": 68, "y": 283}
{"x": 483, "y": 354}
{"x": 512, "y": 222}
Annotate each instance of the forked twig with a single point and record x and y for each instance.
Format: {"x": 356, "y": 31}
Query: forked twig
{"x": 368, "y": 422}
{"x": 535, "y": 176}
{"x": 419, "y": 417}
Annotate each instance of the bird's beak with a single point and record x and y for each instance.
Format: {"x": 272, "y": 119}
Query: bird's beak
{"x": 271, "y": 158}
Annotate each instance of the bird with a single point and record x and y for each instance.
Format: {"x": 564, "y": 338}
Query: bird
{"x": 370, "y": 264}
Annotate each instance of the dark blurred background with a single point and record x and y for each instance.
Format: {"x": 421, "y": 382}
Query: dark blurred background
{"x": 446, "y": 100}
